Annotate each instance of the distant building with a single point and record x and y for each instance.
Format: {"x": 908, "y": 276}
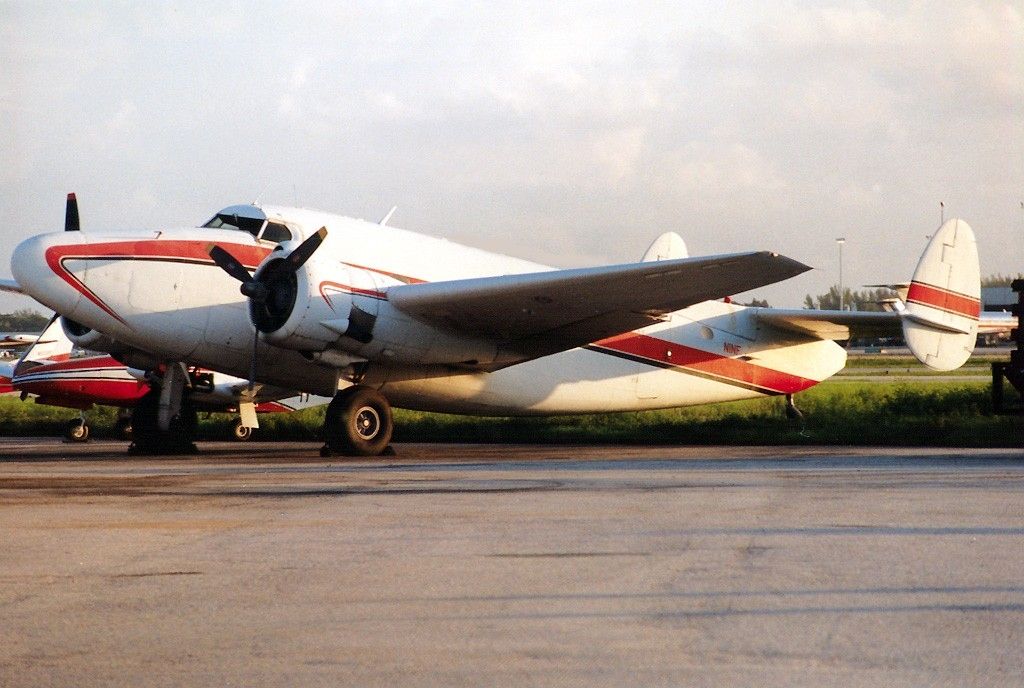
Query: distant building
{"x": 995, "y": 299}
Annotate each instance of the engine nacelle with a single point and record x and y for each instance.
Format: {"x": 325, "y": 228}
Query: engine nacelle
{"x": 88, "y": 338}
{"x": 331, "y": 310}
{"x": 310, "y": 309}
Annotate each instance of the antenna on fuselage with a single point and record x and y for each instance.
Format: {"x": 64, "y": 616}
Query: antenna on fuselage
{"x": 384, "y": 220}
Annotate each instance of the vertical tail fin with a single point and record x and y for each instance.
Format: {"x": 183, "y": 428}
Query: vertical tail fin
{"x": 944, "y": 299}
{"x": 666, "y": 247}
{"x": 51, "y": 345}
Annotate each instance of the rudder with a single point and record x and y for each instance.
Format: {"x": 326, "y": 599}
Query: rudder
{"x": 940, "y": 324}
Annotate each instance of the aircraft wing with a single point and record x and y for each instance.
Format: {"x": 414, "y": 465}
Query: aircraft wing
{"x": 11, "y": 286}
{"x": 537, "y": 314}
{"x": 18, "y": 341}
{"x": 838, "y": 325}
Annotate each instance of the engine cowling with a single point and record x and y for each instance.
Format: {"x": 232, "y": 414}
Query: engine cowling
{"x": 333, "y": 311}
{"x": 328, "y": 307}
{"x": 312, "y": 308}
{"x": 88, "y": 338}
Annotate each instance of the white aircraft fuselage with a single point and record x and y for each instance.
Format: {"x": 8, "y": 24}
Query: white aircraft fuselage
{"x": 160, "y": 296}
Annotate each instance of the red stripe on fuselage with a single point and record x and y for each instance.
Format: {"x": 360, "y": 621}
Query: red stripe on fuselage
{"x": 393, "y": 275}
{"x": 944, "y": 300}
{"x": 272, "y": 407}
{"x": 668, "y": 354}
{"x": 173, "y": 250}
{"x": 77, "y": 391}
{"x": 347, "y": 289}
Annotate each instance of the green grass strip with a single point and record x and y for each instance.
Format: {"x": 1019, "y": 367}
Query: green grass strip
{"x": 908, "y": 413}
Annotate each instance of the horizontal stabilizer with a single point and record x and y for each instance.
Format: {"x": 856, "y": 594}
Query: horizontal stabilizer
{"x": 835, "y": 325}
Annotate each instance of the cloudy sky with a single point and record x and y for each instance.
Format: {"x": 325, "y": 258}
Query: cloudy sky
{"x": 572, "y": 135}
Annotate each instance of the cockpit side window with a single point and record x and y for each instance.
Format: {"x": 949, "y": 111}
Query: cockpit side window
{"x": 276, "y": 232}
{"x": 251, "y": 225}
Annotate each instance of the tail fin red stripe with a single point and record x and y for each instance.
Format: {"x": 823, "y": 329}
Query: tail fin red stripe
{"x": 943, "y": 299}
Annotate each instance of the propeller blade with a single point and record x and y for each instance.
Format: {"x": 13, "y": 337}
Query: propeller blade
{"x": 71, "y": 214}
{"x": 304, "y": 250}
{"x": 229, "y": 264}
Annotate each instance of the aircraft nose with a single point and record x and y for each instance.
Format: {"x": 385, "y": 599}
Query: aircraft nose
{"x": 37, "y": 265}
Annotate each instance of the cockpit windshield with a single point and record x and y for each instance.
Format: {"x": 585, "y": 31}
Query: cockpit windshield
{"x": 249, "y": 218}
{"x": 246, "y": 224}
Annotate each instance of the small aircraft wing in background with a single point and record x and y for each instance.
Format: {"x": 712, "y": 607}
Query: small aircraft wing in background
{"x": 9, "y": 285}
{"x": 541, "y": 313}
{"x": 19, "y": 341}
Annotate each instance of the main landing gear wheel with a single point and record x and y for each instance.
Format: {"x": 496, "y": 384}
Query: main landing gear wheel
{"x": 148, "y": 438}
{"x": 76, "y": 430}
{"x": 358, "y": 423}
{"x": 123, "y": 428}
{"x": 239, "y": 432}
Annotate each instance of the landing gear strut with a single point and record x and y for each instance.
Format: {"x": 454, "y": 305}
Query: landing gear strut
{"x": 164, "y": 420}
{"x": 792, "y": 412}
{"x": 358, "y": 423}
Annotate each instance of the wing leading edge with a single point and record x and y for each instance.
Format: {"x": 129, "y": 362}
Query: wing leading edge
{"x": 541, "y": 313}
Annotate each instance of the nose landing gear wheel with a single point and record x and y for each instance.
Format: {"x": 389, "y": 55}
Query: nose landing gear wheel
{"x": 358, "y": 423}
{"x": 76, "y": 431}
{"x": 239, "y": 432}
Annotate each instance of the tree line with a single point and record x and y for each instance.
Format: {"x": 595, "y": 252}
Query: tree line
{"x": 24, "y": 320}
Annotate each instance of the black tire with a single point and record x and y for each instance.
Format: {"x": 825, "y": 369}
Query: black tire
{"x": 148, "y": 438}
{"x": 123, "y": 429}
{"x": 239, "y": 432}
{"x": 358, "y": 422}
{"x": 76, "y": 431}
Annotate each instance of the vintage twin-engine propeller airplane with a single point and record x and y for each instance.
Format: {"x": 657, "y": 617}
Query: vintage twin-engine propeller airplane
{"x": 376, "y": 315}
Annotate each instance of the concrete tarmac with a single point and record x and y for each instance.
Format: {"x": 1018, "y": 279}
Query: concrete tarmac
{"x": 470, "y": 565}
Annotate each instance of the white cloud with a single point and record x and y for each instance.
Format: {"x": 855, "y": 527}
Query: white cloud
{"x": 571, "y": 132}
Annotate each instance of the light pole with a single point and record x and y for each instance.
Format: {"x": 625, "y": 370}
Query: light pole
{"x": 841, "y": 241}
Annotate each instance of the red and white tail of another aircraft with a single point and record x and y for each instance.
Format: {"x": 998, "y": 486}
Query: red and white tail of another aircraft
{"x": 48, "y": 372}
{"x": 377, "y": 315}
